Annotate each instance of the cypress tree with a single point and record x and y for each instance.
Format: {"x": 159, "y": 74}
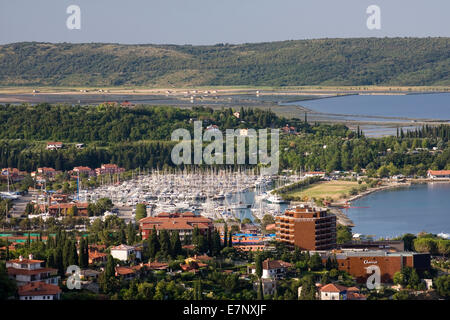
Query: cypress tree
{"x": 50, "y": 260}
{"x": 66, "y": 254}
{"x": 153, "y": 243}
{"x": 73, "y": 255}
{"x": 29, "y": 240}
{"x": 52, "y": 241}
{"x": 258, "y": 265}
{"x": 83, "y": 257}
{"x": 122, "y": 238}
{"x": 216, "y": 243}
{"x": 230, "y": 239}
{"x": 209, "y": 241}
{"x": 86, "y": 253}
{"x": 225, "y": 235}
{"x": 131, "y": 234}
{"x": 201, "y": 244}
{"x": 107, "y": 278}
{"x": 7, "y": 250}
{"x": 260, "y": 295}
{"x": 164, "y": 242}
{"x": 195, "y": 234}
{"x": 175, "y": 244}
{"x": 110, "y": 270}
{"x": 198, "y": 295}
{"x": 81, "y": 253}
{"x": 58, "y": 258}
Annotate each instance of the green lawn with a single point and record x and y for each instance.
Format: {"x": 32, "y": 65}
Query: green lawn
{"x": 326, "y": 189}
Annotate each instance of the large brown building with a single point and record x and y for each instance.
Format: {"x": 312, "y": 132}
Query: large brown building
{"x": 184, "y": 223}
{"x": 63, "y": 208}
{"x": 307, "y": 228}
{"x": 356, "y": 262}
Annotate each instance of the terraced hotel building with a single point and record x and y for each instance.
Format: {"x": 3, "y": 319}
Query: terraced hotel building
{"x": 307, "y": 228}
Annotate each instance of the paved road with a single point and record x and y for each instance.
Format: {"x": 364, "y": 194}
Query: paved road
{"x": 125, "y": 213}
{"x": 20, "y": 204}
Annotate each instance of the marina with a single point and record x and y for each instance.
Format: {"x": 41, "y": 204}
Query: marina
{"x": 221, "y": 194}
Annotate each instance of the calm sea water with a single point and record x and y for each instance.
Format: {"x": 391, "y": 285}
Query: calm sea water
{"x": 422, "y": 207}
{"x": 413, "y": 106}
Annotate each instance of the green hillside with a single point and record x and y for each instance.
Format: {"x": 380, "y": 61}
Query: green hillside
{"x": 368, "y": 61}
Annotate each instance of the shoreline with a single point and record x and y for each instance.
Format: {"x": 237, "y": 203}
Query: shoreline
{"x": 230, "y": 89}
{"x": 342, "y": 217}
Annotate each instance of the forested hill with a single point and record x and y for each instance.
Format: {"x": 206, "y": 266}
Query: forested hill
{"x": 368, "y": 61}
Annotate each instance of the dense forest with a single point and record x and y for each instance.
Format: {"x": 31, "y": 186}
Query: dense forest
{"x": 383, "y": 156}
{"x": 129, "y": 137}
{"x": 358, "y": 61}
{"x": 116, "y": 124}
{"x": 140, "y": 137}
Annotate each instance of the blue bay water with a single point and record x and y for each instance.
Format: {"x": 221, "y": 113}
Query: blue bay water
{"x": 413, "y": 106}
{"x": 389, "y": 213}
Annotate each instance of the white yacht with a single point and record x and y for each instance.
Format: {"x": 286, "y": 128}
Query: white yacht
{"x": 9, "y": 195}
{"x": 275, "y": 199}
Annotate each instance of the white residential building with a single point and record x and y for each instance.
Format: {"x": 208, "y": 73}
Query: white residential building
{"x": 273, "y": 269}
{"x": 333, "y": 291}
{"x": 123, "y": 252}
{"x": 39, "y": 291}
{"x": 25, "y": 271}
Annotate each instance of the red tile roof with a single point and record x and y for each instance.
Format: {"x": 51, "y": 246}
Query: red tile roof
{"x": 124, "y": 271}
{"x": 38, "y": 288}
{"x": 96, "y": 255}
{"x": 82, "y": 169}
{"x": 439, "y": 172}
{"x": 121, "y": 271}
{"x": 123, "y": 247}
{"x": 355, "y": 296}
{"x": 180, "y": 221}
{"x": 68, "y": 205}
{"x": 25, "y": 261}
{"x": 157, "y": 265}
{"x": 97, "y": 247}
{"x": 331, "y": 287}
{"x": 109, "y": 165}
{"x": 203, "y": 257}
{"x": 275, "y": 264}
{"x": 15, "y": 271}
{"x": 193, "y": 265}
{"x": 44, "y": 169}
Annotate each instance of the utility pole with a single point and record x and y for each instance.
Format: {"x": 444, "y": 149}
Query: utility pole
{"x": 78, "y": 186}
